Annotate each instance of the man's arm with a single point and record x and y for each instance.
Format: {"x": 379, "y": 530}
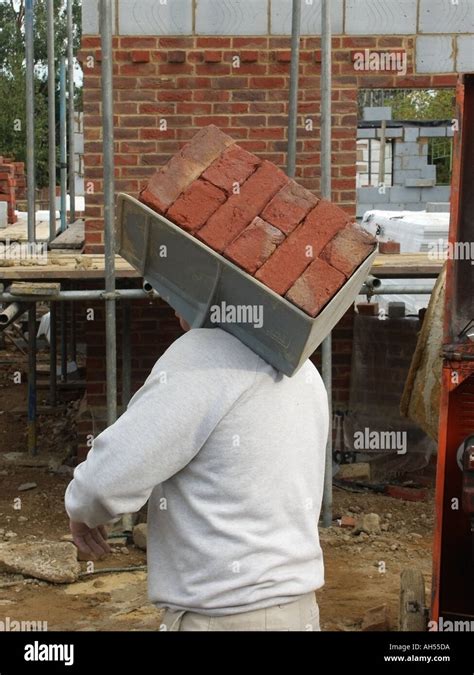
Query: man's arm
{"x": 167, "y": 422}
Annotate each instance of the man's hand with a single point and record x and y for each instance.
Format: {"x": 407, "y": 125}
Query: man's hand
{"x": 90, "y": 542}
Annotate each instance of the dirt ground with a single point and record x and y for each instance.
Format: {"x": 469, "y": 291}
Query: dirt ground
{"x": 362, "y": 571}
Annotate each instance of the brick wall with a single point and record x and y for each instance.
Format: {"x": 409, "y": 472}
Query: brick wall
{"x": 183, "y": 83}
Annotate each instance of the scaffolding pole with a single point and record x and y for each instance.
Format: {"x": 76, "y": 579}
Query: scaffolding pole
{"x": 63, "y": 314}
{"x": 293, "y": 98}
{"x": 126, "y": 354}
{"x": 63, "y": 141}
{"x": 139, "y": 294}
{"x": 52, "y": 355}
{"x": 51, "y": 121}
{"x": 326, "y": 194}
{"x": 109, "y": 207}
{"x": 81, "y": 296}
{"x": 71, "y": 124}
{"x": 30, "y": 118}
{"x": 32, "y": 431}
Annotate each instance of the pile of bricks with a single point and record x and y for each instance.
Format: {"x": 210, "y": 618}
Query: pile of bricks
{"x": 248, "y": 210}
{"x": 12, "y": 184}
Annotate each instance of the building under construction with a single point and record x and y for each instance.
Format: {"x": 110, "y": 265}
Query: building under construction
{"x": 313, "y": 91}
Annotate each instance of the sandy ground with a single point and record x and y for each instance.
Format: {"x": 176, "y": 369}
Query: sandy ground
{"x": 362, "y": 571}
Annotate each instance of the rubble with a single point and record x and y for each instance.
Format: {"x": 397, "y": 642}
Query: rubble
{"x": 368, "y": 523}
{"x": 376, "y": 619}
{"x": 140, "y": 536}
{"x": 27, "y": 486}
{"x": 51, "y": 561}
{"x": 358, "y": 470}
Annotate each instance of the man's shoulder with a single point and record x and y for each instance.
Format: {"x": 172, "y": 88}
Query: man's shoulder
{"x": 213, "y": 346}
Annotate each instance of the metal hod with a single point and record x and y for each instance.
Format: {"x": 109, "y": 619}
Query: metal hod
{"x": 207, "y": 290}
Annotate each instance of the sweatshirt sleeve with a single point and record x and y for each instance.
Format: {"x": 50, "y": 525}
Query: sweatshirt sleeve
{"x": 190, "y": 389}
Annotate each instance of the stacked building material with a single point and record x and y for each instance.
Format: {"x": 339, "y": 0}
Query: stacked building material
{"x": 20, "y": 178}
{"x": 249, "y": 211}
{"x": 12, "y": 184}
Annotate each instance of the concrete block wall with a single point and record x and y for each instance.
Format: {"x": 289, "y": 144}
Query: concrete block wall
{"x": 413, "y": 179}
{"x": 443, "y": 29}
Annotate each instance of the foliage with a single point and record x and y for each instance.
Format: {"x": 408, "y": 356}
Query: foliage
{"x": 13, "y": 80}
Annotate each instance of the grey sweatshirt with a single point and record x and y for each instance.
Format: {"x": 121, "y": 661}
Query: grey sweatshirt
{"x": 230, "y": 454}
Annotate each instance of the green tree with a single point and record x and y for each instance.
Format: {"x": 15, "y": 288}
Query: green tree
{"x": 13, "y": 82}
{"x": 411, "y": 104}
{"x": 423, "y": 104}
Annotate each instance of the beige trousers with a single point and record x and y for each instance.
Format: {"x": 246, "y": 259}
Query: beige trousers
{"x": 300, "y": 615}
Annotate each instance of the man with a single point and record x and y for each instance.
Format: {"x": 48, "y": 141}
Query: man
{"x": 230, "y": 454}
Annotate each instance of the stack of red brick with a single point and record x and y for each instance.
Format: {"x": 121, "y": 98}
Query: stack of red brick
{"x": 12, "y": 184}
{"x": 302, "y": 247}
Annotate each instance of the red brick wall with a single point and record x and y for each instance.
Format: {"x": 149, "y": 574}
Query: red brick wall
{"x": 191, "y": 82}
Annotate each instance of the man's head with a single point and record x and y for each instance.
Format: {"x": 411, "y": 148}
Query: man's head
{"x": 184, "y": 324}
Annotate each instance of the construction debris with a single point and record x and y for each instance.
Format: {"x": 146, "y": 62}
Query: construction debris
{"x": 140, "y": 536}
{"x": 48, "y": 560}
{"x": 410, "y": 494}
{"x": 347, "y": 521}
{"x": 368, "y": 523}
{"x": 376, "y": 619}
{"x": 27, "y": 486}
{"x": 358, "y": 470}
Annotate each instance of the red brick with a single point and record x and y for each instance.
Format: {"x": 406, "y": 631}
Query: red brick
{"x": 303, "y": 245}
{"x": 289, "y": 206}
{"x": 235, "y": 165}
{"x": 348, "y": 249}
{"x": 140, "y": 56}
{"x": 219, "y": 42}
{"x": 211, "y": 56}
{"x": 170, "y": 181}
{"x": 240, "y": 209}
{"x": 368, "y": 308}
{"x": 315, "y": 287}
{"x": 390, "y": 247}
{"x": 255, "y": 245}
{"x": 248, "y": 56}
{"x": 176, "y": 56}
{"x": 406, "y": 493}
{"x": 195, "y": 206}
{"x": 347, "y": 521}
{"x": 283, "y": 57}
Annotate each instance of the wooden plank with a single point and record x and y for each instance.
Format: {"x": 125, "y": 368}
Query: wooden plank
{"x": 407, "y": 265}
{"x": 24, "y": 288}
{"x": 19, "y": 230}
{"x": 73, "y": 237}
{"x": 92, "y": 266}
{"x": 64, "y": 266}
